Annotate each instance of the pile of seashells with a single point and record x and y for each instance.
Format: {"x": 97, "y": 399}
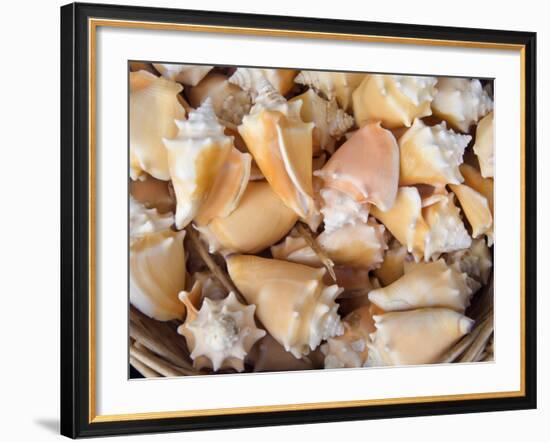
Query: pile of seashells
{"x": 293, "y": 220}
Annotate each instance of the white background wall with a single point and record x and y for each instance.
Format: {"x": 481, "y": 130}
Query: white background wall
{"x": 29, "y": 221}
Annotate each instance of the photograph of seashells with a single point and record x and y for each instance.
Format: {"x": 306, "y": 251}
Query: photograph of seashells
{"x": 288, "y": 220}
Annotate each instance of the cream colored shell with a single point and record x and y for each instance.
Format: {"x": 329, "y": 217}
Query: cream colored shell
{"x": 331, "y": 123}
{"x": 431, "y": 155}
{"x": 433, "y": 284}
{"x": 415, "y": 337}
{"x": 221, "y": 333}
{"x": 260, "y": 219}
{"x": 332, "y": 85}
{"x": 484, "y": 145}
{"x": 281, "y": 144}
{"x": 461, "y": 102}
{"x": 153, "y": 193}
{"x": 392, "y": 267}
{"x": 188, "y": 74}
{"x": 196, "y": 156}
{"x": 473, "y": 178}
{"x": 476, "y": 208}
{"x": 250, "y": 79}
{"x": 293, "y": 303}
{"x": 394, "y": 100}
{"x": 151, "y": 95}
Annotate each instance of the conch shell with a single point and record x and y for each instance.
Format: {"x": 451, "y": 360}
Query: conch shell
{"x": 151, "y": 95}
{"x": 392, "y": 267}
{"x": 250, "y": 79}
{"x": 153, "y": 193}
{"x": 350, "y": 349}
{"x": 196, "y": 156}
{"x": 484, "y": 145}
{"x": 395, "y": 100}
{"x": 269, "y": 355}
{"x": 461, "y": 102}
{"x": 188, "y": 74}
{"x": 433, "y": 284}
{"x": 431, "y": 155}
{"x": 476, "y": 261}
{"x": 356, "y": 246}
{"x": 228, "y": 188}
{"x": 476, "y": 208}
{"x": 230, "y": 103}
{"x": 333, "y": 85}
{"x": 365, "y": 169}
{"x": 221, "y": 333}
{"x": 281, "y": 144}
{"x": 259, "y": 220}
{"x": 415, "y": 337}
{"x": 157, "y": 263}
{"x": 331, "y": 123}
{"x": 473, "y": 179}
{"x": 293, "y": 303}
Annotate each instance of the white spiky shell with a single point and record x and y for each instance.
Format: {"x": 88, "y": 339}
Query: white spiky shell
{"x": 484, "y": 145}
{"x": 475, "y": 261}
{"x": 221, "y": 333}
{"x": 356, "y": 246}
{"x": 230, "y": 103}
{"x": 293, "y": 303}
{"x": 331, "y": 122}
{"x": 196, "y": 156}
{"x": 350, "y": 349}
{"x": 340, "y": 209}
{"x": 157, "y": 263}
{"x": 281, "y": 144}
{"x": 365, "y": 168}
{"x": 476, "y": 208}
{"x": 151, "y": 95}
{"x": 431, "y": 155}
{"x": 461, "y": 102}
{"x": 333, "y": 85}
{"x": 395, "y": 100}
{"x": 250, "y": 79}
{"x": 188, "y": 74}
{"x": 433, "y": 284}
{"x": 259, "y": 220}
{"x": 415, "y": 337}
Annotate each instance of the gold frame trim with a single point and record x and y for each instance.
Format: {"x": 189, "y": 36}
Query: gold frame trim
{"x": 93, "y": 24}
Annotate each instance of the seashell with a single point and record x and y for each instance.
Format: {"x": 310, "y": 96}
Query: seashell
{"x": 476, "y": 208}
{"x": 281, "y": 144}
{"x": 196, "y": 156}
{"x": 405, "y": 221}
{"x": 230, "y": 103}
{"x": 228, "y": 188}
{"x": 433, "y": 284}
{"x": 250, "y": 79}
{"x": 293, "y": 303}
{"x": 484, "y": 145}
{"x": 151, "y": 95}
{"x": 392, "y": 267}
{"x": 221, "y": 333}
{"x": 333, "y": 85}
{"x": 144, "y": 221}
{"x": 259, "y": 220}
{"x": 461, "y": 102}
{"x": 415, "y": 337}
{"x": 431, "y": 155}
{"x": 188, "y": 74}
{"x": 473, "y": 179}
{"x": 394, "y": 100}
{"x": 153, "y": 193}
{"x": 331, "y": 123}
{"x": 269, "y": 355}
{"x": 350, "y": 349}
{"x": 365, "y": 168}
{"x": 476, "y": 261}
{"x": 157, "y": 263}
{"x": 356, "y": 246}
{"x": 339, "y": 209}
{"x": 446, "y": 229}
{"x": 430, "y": 194}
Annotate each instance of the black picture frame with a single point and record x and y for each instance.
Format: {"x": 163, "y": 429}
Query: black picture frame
{"x": 75, "y": 218}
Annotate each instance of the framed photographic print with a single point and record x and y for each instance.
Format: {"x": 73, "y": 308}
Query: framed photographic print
{"x": 279, "y": 220}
